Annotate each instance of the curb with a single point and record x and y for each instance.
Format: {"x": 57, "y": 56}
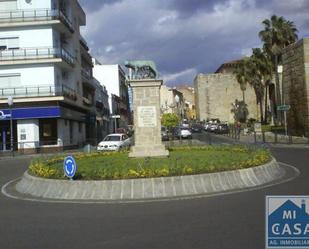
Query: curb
{"x": 150, "y": 188}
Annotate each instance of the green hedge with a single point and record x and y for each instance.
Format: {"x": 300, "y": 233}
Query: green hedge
{"x": 182, "y": 161}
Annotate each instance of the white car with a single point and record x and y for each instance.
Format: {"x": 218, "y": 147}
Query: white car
{"x": 183, "y": 132}
{"x": 114, "y": 142}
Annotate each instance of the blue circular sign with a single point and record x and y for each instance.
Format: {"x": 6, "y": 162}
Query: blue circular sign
{"x": 69, "y": 166}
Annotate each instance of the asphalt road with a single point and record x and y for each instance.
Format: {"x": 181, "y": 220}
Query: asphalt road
{"x": 220, "y": 222}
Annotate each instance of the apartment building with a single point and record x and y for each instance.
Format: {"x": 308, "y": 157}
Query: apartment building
{"x": 46, "y": 68}
{"x": 114, "y": 78}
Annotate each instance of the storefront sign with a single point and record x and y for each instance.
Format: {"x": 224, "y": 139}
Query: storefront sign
{"x": 30, "y": 113}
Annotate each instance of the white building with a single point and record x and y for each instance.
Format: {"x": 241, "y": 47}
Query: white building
{"x": 113, "y": 77}
{"x": 171, "y": 101}
{"x": 45, "y": 66}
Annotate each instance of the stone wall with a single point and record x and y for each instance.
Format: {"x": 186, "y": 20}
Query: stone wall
{"x": 296, "y": 85}
{"x": 215, "y": 94}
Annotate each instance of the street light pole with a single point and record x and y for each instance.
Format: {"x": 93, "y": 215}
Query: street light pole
{"x": 10, "y": 104}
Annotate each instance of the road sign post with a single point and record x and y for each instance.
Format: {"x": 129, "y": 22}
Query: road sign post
{"x": 69, "y": 167}
{"x": 284, "y": 108}
{"x": 115, "y": 117}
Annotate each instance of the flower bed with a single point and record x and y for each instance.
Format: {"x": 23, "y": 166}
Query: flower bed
{"x": 182, "y": 161}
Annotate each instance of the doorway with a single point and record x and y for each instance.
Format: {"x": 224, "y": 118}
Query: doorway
{"x": 5, "y": 136}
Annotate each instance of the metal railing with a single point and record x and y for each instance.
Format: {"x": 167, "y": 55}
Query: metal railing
{"x": 38, "y": 91}
{"x": 21, "y": 15}
{"x": 36, "y": 53}
{"x": 86, "y": 73}
{"x": 267, "y": 137}
{"x": 83, "y": 42}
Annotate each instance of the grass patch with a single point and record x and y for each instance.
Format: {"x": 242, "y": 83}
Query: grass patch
{"x": 182, "y": 161}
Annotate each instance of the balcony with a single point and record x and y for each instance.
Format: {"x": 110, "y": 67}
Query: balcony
{"x": 34, "y": 15}
{"x": 36, "y": 54}
{"x": 83, "y": 42}
{"x": 86, "y": 73}
{"x": 38, "y": 91}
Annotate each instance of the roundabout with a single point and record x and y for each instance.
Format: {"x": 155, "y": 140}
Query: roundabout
{"x": 33, "y": 188}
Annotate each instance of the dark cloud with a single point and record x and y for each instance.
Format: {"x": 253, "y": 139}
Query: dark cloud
{"x": 92, "y": 5}
{"x": 183, "y": 37}
{"x": 284, "y": 7}
{"x": 187, "y": 8}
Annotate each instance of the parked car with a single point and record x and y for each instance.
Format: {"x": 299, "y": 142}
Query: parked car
{"x": 196, "y": 128}
{"x": 213, "y": 127}
{"x": 114, "y": 142}
{"x": 206, "y": 126}
{"x": 164, "y": 133}
{"x": 222, "y": 129}
{"x": 185, "y": 123}
{"x": 183, "y": 132}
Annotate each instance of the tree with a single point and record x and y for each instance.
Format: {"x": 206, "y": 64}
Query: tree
{"x": 170, "y": 120}
{"x": 276, "y": 35}
{"x": 241, "y": 77}
{"x": 255, "y": 80}
{"x": 264, "y": 69}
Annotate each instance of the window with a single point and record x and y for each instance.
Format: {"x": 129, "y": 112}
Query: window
{"x": 112, "y": 138}
{"x": 8, "y": 5}
{"x": 9, "y": 43}
{"x": 10, "y": 80}
{"x": 48, "y": 131}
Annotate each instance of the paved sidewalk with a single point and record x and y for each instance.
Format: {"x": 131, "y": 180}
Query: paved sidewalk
{"x": 249, "y": 139}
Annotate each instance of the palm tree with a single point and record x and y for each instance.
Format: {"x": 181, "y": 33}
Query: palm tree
{"x": 276, "y": 35}
{"x": 241, "y": 77}
{"x": 254, "y": 77}
{"x": 264, "y": 68}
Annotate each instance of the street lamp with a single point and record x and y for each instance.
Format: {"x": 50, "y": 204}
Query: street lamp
{"x": 177, "y": 103}
{"x": 10, "y": 104}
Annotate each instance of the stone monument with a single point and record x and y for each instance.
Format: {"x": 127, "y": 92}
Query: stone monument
{"x": 146, "y": 110}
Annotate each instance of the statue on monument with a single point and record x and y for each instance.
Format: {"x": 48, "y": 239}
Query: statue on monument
{"x": 144, "y": 69}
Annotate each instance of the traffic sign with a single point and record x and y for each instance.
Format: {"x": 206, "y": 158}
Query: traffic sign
{"x": 115, "y": 116}
{"x": 283, "y": 107}
{"x": 69, "y": 166}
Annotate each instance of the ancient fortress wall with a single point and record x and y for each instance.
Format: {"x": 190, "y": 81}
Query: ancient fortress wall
{"x": 296, "y": 85}
{"x": 215, "y": 94}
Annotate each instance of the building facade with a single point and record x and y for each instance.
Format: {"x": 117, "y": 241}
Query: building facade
{"x": 295, "y": 86}
{"x": 218, "y": 96}
{"x": 172, "y": 101}
{"x": 114, "y": 78}
{"x": 45, "y": 66}
{"x": 189, "y": 101}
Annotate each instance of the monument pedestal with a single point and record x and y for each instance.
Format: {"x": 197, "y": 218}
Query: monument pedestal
{"x": 147, "y": 124}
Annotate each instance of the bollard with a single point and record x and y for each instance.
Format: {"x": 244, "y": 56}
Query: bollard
{"x": 276, "y": 137}
{"x": 255, "y": 137}
{"x": 263, "y": 136}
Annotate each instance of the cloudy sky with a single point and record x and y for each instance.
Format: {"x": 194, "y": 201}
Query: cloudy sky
{"x": 183, "y": 37}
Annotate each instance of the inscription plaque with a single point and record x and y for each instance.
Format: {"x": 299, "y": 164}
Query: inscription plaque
{"x": 147, "y": 116}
